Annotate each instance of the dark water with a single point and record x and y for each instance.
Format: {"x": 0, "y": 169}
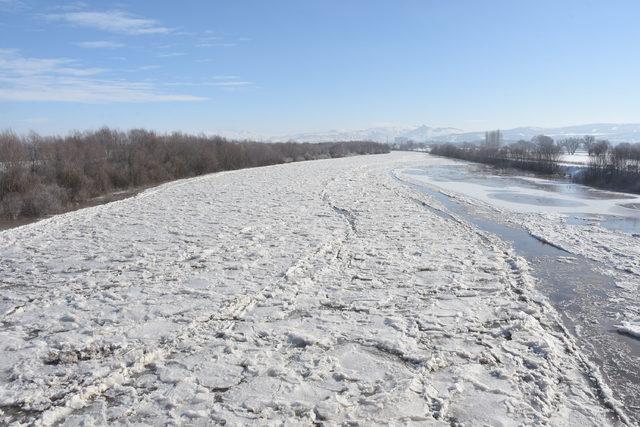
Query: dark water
{"x": 581, "y": 294}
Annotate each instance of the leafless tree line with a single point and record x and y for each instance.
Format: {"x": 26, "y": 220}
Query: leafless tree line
{"x": 541, "y": 154}
{"x": 43, "y": 175}
{"x": 614, "y": 167}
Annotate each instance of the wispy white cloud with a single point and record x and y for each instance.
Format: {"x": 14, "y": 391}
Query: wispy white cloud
{"x": 170, "y": 54}
{"x": 11, "y": 61}
{"x": 147, "y": 67}
{"x": 223, "y": 82}
{"x": 217, "y": 44}
{"x": 225, "y": 77}
{"x": 211, "y": 40}
{"x": 113, "y": 21}
{"x": 70, "y": 6}
{"x": 232, "y": 83}
{"x": 100, "y": 44}
{"x": 64, "y": 80}
{"x": 12, "y": 5}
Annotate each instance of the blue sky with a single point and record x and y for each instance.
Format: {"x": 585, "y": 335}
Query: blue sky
{"x": 274, "y": 67}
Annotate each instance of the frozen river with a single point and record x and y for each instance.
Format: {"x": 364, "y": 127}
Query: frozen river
{"x": 579, "y": 242}
{"x": 324, "y": 292}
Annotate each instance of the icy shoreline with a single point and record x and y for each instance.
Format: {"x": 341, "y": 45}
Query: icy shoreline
{"x": 316, "y": 291}
{"x": 618, "y": 252}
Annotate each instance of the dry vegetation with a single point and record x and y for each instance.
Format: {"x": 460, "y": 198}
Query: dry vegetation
{"x": 44, "y": 175}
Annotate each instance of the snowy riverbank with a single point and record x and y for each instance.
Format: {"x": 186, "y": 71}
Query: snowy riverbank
{"x": 312, "y": 291}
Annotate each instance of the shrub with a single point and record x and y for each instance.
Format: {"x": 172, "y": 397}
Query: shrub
{"x": 11, "y": 205}
{"x": 43, "y": 199}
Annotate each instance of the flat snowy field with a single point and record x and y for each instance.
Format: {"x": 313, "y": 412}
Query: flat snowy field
{"x": 308, "y": 292}
{"x": 579, "y": 158}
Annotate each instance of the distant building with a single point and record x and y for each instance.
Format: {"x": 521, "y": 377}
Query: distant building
{"x": 493, "y": 138}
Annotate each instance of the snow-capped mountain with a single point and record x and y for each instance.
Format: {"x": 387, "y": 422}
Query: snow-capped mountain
{"x": 610, "y": 131}
{"x": 378, "y": 134}
{"x": 239, "y": 135}
{"x": 426, "y": 133}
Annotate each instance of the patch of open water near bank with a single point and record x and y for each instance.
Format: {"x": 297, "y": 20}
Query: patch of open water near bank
{"x": 522, "y": 192}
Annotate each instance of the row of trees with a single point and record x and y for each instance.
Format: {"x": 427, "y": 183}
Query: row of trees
{"x": 43, "y": 175}
{"x": 588, "y": 142}
{"x": 409, "y": 145}
{"x": 614, "y": 167}
{"x": 541, "y": 154}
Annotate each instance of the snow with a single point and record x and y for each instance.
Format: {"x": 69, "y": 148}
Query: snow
{"x": 578, "y": 158}
{"x": 321, "y": 291}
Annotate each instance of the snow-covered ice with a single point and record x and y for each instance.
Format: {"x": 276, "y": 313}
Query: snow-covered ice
{"x": 322, "y": 291}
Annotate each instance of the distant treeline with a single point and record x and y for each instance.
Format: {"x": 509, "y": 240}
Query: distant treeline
{"x": 611, "y": 167}
{"x": 409, "y": 145}
{"x": 541, "y": 154}
{"x": 44, "y": 175}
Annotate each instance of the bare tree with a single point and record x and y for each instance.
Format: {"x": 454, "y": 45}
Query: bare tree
{"x": 571, "y": 144}
{"x": 588, "y": 141}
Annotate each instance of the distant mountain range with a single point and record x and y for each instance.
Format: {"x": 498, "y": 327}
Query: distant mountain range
{"x": 378, "y": 134}
{"x": 612, "y": 132}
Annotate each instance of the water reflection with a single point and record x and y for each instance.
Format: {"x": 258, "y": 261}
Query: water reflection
{"x": 533, "y": 200}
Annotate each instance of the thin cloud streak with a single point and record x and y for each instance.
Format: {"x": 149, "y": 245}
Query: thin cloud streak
{"x": 11, "y": 62}
{"x": 171, "y": 55}
{"x": 216, "y": 44}
{"x": 12, "y": 5}
{"x": 225, "y": 77}
{"x": 232, "y": 83}
{"x": 63, "y": 80}
{"x": 113, "y": 21}
{"x": 99, "y": 45}
{"x": 85, "y": 91}
{"x": 225, "y": 82}
{"x": 71, "y": 6}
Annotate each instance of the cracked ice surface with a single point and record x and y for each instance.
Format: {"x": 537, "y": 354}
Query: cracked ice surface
{"x": 316, "y": 291}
